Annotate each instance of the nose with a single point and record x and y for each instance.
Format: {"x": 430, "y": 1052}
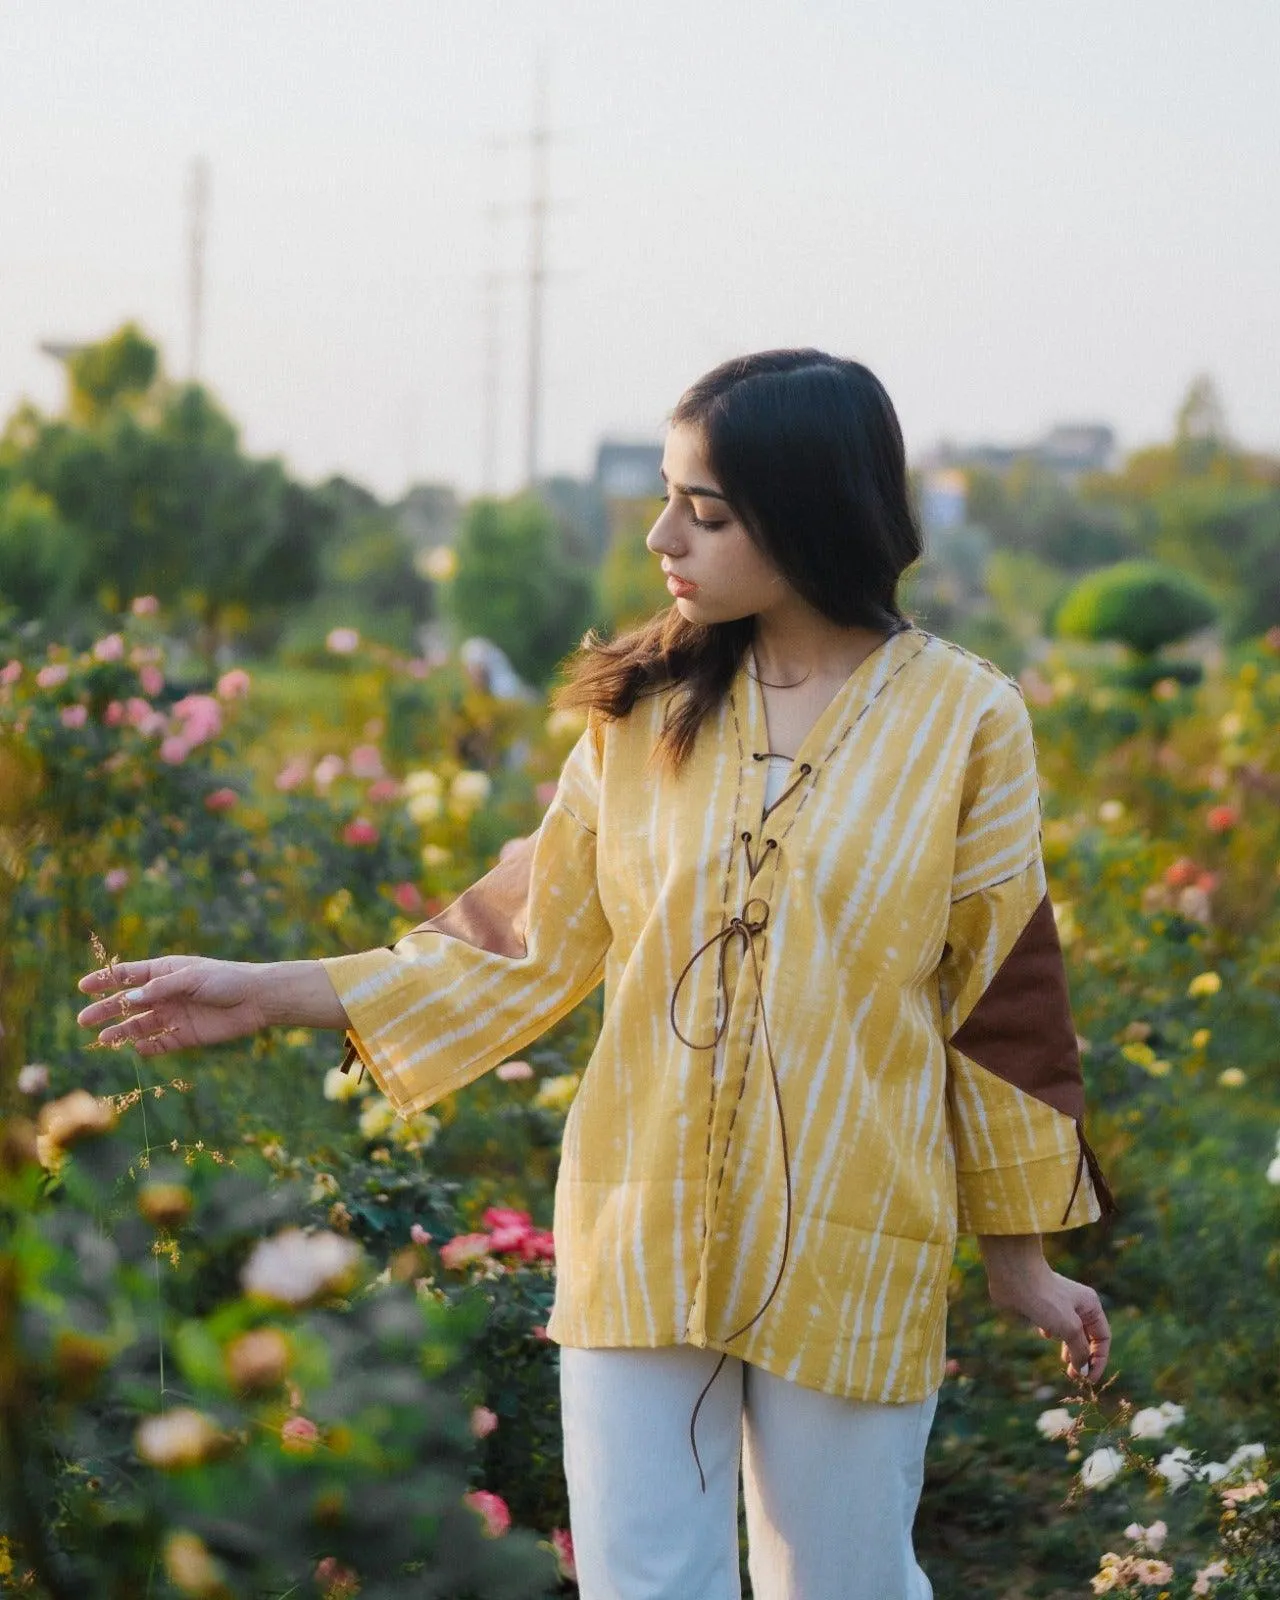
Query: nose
{"x": 663, "y": 538}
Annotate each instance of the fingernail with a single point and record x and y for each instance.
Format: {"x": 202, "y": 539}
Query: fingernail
{"x": 133, "y": 994}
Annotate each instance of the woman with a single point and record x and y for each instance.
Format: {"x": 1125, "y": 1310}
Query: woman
{"x": 799, "y": 840}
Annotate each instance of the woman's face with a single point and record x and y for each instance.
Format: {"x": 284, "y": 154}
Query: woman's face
{"x": 700, "y": 540}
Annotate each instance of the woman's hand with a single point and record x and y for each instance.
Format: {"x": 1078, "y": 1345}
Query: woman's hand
{"x": 175, "y": 1002}
{"x": 1020, "y": 1279}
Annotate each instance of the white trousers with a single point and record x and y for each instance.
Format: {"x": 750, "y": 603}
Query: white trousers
{"x": 831, "y": 1486}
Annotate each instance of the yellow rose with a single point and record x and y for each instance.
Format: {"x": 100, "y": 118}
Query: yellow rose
{"x": 1206, "y": 983}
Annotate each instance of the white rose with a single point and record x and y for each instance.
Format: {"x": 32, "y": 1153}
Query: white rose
{"x": 1175, "y": 1467}
{"x": 1246, "y": 1455}
{"x": 340, "y": 1085}
{"x": 423, "y": 781}
{"x": 1101, "y": 1468}
{"x": 1054, "y": 1424}
{"x": 468, "y": 792}
{"x": 293, "y": 1267}
{"x": 1148, "y": 1423}
{"x": 1174, "y": 1414}
{"x": 377, "y": 1118}
{"x": 1273, "y": 1171}
{"x": 424, "y": 806}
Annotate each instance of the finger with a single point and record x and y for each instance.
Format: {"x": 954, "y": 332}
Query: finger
{"x": 1098, "y": 1331}
{"x": 121, "y": 974}
{"x": 123, "y": 1004}
{"x": 130, "y": 1030}
{"x": 1076, "y": 1352}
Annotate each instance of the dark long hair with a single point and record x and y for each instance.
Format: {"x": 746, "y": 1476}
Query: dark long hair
{"x": 808, "y": 450}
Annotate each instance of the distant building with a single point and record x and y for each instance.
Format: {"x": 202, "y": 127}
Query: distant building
{"x": 628, "y": 471}
{"x": 429, "y": 515}
{"x": 1070, "y": 450}
{"x": 944, "y": 495}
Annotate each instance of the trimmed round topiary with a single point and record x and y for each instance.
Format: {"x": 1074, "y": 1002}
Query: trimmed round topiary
{"x": 1142, "y": 604}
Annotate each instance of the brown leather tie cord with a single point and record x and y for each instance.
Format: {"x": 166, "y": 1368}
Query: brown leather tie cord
{"x": 753, "y": 919}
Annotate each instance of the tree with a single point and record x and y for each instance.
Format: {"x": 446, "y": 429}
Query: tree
{"x": 153, "y": 495}
{"x": 126, "y": 364}
{"x": 515, "y": 584}
{"x": 1141, "y": 604}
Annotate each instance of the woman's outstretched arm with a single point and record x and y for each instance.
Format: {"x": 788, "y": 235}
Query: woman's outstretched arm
{"x": 179, "y": 1002}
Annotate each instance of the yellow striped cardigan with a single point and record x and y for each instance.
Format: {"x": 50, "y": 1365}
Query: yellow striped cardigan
{"x": 876, "y": 958}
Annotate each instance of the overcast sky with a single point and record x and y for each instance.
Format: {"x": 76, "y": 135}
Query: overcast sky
{"x": 1016, "y": 213}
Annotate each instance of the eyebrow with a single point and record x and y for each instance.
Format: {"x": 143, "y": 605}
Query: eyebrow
{"x": 692, "y": 489}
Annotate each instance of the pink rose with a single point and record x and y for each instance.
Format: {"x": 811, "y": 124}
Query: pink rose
{"x": 51, "y": 676}
{"x": 74, "y": 716}
{"x": 116, "y": 879}
{"x": 545, "y": 793}
{"x": 327, "y": 769}
{"x": 300, "y": 1436}
{"x": 109, "y": 649}
{"x": 342, "y": 641}
{"x": 409, "y": 899}
{"x": 540, "y": 1334}
{"x": 292, "y": 774}
{"x": 361, "y": 831}
{"x": 233, "y": 685}
{"x": 145, "y": 605}
{"x": 201, "y": 717}
{"x": 113, "y": 716}
{"x": 221, "y": 800}
{"x": 151, "y": 678}
{"x": 515, "y": 1071}
{"x": 10, "y": 673}
{"x": 538, "y": 1245}
{"x": 463, "y": 1248}
{"x": 419, "y": 1235}
{"x": 508, "y": 1230}
{"x": 382, "y": 791}
{"x": 335, "y": 1581}
{"x": 1221, "y": 819}
{"x": 174, "y": 751}
{"x": 365, "y": 761}
{"x": 493, "y": 1508}
{"x": 483, "y": 1422}
{"x": 562, "y": 1544}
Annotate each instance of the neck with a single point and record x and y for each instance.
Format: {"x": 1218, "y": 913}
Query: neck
{"x": 791, "y": 647}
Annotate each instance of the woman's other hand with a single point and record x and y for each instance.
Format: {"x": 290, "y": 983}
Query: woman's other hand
{"x": 1020, "y": 1279}
{"x": 175, "y": 1002}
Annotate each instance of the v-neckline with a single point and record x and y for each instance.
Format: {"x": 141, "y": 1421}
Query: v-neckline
{"x": 841, "y": 705}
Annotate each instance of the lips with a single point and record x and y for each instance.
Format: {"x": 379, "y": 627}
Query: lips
{"x": 679, "y": 586}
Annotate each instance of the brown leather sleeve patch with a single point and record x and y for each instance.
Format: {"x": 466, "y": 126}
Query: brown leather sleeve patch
{"x": 492, "y": 914}
{"x": 1021, "y": 1028}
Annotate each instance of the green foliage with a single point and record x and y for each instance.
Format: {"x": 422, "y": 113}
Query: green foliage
{"x": 1161, "y": 837}
{"x": 121, "y": 1301}
{"x": 1031, "y": 511}
{"x": 42, "y": 561}
{"x": 150, "y": 494}
{"x": 1140, "y": 604}
{"x": 515, "y": 585}
{"x": 121, "y": 367}
{"x": 632, "y": 587}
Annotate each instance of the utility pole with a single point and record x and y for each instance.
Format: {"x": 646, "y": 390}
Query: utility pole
{"x": 197, "y": 211}
{"x": 493, "y": 280}
{"x": 538, "y": 142}
{"x": 539, "y": 139}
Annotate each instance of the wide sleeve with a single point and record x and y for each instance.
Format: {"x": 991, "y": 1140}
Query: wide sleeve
{"x": 1015, "y": 1091}
{"x": 510, "y": 957}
